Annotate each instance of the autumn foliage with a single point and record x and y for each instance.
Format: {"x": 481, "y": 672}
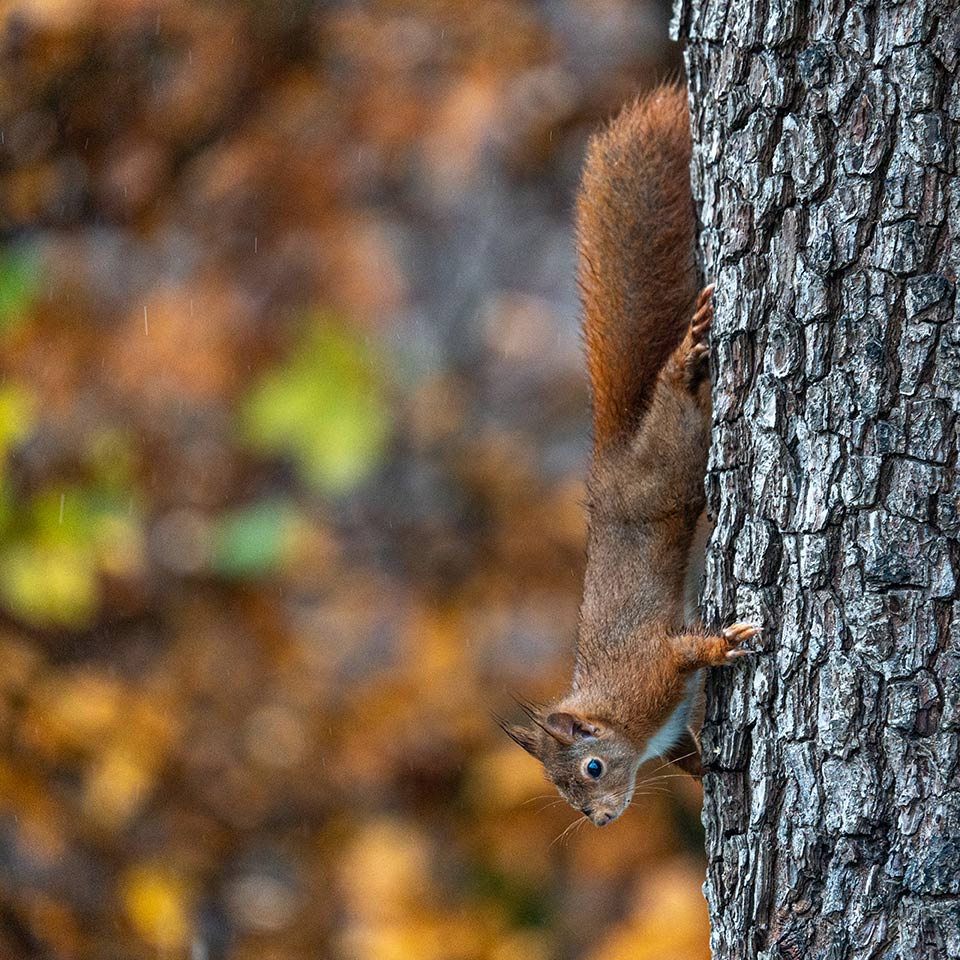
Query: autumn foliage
{"x": 293, "y": 425}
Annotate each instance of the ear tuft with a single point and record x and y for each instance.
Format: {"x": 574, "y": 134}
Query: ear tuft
{"x": 523, "y": 736}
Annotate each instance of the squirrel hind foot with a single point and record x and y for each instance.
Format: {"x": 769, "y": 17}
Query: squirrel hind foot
{"x": 697, "y": 365}
{"x": 703, "y": 315}
{"x": 691, "y": 360}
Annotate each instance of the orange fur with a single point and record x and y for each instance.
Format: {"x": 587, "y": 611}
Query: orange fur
{"x": 636, "y": 683}
{"x": 636, "y": 231}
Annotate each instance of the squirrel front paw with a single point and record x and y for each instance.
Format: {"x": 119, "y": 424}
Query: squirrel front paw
{"x": 716, "y": 650}
{"x": 735, "y": 635}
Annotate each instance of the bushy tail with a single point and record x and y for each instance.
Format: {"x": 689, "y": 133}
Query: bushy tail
{"x": 636, "y": 232}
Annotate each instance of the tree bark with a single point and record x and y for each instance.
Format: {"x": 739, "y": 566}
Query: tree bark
{"x": 825, "y": 169}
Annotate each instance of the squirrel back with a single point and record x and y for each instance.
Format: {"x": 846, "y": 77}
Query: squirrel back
{"x": 636, "y": 233}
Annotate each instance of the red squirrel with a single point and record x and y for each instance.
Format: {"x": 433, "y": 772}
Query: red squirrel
{"x": 637, "y": 682}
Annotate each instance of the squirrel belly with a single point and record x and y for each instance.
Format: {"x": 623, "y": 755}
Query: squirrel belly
{"x": 640, "y": 654}
{"x": 677, "y": 726}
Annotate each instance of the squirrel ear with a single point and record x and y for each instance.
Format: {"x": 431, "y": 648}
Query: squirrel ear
{"x": 567, "y": 727}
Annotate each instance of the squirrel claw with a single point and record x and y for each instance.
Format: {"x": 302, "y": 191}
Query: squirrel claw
{"x": 696, "y": 360}
{"x": 690, "y": 361}
{"x": 718, "y": 650}
{"x": 692, "y": 356}
{"x": 703, "y": 317}
{"x": 735, "y": 635}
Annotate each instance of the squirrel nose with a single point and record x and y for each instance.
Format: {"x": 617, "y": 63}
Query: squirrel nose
{"x": 598, "y": 819}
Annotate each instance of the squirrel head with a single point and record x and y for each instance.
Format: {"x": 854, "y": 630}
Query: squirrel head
{"x": 592, "y": 764}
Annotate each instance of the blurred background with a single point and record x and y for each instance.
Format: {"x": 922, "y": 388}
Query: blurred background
{"x": 293, "y": 429}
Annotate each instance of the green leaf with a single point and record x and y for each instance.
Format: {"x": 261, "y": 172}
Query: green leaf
{"x": 8, "y": 508}
{"x": 19, "y": 282}
{"x": 62, "y": 515}
{"x": 253, "y": 541}
{"x": 57, "y": 546}
{"x": 324, "y": 410}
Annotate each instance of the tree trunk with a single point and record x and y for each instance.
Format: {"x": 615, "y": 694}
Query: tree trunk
{"x": 825, "y": 167}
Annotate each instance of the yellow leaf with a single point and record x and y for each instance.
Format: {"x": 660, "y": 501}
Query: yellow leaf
{"x": 16, "y": 416}
{"x": 49, "y": 586}
{"x": 386, "y": 873}
{"x": 116, "y": 788}
{"x": 156, "y": 902}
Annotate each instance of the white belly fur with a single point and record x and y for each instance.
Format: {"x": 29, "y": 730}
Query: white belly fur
{"x": 668, "y": 735}
{"x": 696, "y": 559}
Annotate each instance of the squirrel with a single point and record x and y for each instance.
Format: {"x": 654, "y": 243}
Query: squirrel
{"x": 640, "y": 655}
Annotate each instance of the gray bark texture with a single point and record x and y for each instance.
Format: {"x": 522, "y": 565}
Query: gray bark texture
{"x": 826, "y": 142}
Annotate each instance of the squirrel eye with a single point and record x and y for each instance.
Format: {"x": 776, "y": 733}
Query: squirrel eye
{"x": 594, "y": 768}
